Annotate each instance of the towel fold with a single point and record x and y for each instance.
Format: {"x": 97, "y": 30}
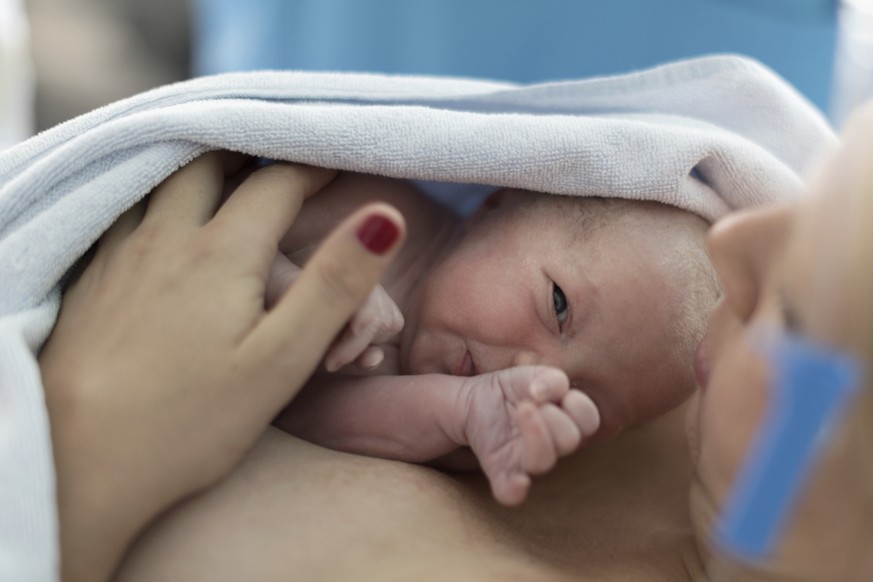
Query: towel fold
{"x": 708, "y": 135}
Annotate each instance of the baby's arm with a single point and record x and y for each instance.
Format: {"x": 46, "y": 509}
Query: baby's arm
{"x": 517, "y": 421}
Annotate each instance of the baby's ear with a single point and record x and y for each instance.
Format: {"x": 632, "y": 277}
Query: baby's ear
{"x": 492, "y": 202}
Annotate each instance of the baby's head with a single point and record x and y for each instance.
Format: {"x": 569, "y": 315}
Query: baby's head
{"x": 614, "y": 292}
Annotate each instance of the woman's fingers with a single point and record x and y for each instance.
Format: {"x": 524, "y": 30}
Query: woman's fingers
{"x": 261, "y": 210}
{"x": 120, "y": 230}
{"x": 190, "y": 196}
{"x": 282, "y": 275}
{"x": 332, "y": 286}
{"x": 183, "y": 197}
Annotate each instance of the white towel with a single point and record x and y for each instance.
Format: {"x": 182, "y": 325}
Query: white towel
{"x": 707, "y": 135}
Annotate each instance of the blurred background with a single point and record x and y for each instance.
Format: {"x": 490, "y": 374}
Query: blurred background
{"x": 61, "y": 58}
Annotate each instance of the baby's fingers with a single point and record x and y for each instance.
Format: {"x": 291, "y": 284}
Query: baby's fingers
{"x": 388, "y": 319}
{"x": 583, "y": 411}
{"x": 374, "y": 323}
{"x": 549, "y": 385}
{"x": 538, "y": 383}
{"x": 332, "y": 286}
{"x": 539, "y": 449}
{"x": 371, "y": 358}
{"x": 565, "y": 433}
{"x": 350, "y": 346}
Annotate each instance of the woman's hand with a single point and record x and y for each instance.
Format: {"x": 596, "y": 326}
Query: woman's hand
{"x": 164, "y": 366}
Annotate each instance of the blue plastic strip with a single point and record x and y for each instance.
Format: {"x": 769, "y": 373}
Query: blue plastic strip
{"x": 811, "y": 385}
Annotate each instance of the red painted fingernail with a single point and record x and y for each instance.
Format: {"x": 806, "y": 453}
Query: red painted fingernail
{"x": 378, "y": 234}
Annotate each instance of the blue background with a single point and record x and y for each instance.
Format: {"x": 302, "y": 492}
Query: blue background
{"x": 517, "y": 40}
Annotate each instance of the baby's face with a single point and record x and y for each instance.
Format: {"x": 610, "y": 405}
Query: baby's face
{"x": 523, "y": 287}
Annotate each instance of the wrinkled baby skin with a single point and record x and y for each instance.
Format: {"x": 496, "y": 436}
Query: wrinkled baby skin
{"x": 584, "y": 306}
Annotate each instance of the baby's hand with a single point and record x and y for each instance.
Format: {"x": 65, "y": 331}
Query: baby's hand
{"x": 519, "y": 421}
{"x": 374, "y": 323}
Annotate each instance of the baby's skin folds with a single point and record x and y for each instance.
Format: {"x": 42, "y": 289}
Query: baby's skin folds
{"x": 517, "y": 422}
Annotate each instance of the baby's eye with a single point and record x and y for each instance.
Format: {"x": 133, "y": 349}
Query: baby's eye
{"x": 562, "y": 308}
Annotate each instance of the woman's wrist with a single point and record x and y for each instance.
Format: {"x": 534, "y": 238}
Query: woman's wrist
{"x": 96, "y": 527}
{"x": 100, "y": 510}
{"x": 92, "y": 543}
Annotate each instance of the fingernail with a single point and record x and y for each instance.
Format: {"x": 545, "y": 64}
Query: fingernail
{"x": 372, "y": 359}
{"x": 378, "y": 234}
{"x": 590, "y": 421}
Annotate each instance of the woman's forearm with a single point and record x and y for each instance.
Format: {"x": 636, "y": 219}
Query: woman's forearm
{"x": 98, "y": 517}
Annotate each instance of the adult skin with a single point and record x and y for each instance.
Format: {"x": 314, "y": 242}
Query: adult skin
{"x": 615, "y": 511}
{"x": 143, "y": 370}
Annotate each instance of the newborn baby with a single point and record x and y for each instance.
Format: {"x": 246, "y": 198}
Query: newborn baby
{"x": 539, "y": 322}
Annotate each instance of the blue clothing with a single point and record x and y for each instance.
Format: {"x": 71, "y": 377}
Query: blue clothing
{"x": 515, "y": 40}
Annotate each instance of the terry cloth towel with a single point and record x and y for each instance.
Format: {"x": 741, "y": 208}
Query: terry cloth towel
{"x": 707, "y": 135}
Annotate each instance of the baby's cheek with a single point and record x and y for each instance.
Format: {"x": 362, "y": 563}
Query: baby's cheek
{"x": 615, "y": 415}
{"x": 625, "y": 407}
